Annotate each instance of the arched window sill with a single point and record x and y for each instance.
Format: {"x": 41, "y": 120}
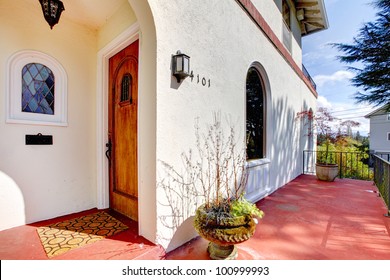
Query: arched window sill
{"x": 257, "y": 162}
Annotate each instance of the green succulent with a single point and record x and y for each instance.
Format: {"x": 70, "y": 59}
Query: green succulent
{"x": 242, "y": 207}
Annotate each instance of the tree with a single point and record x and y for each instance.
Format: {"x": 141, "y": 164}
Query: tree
{"x": 358, "y": 137}
{"x": 371, "y": 47}
{"x": 328, "y": 129}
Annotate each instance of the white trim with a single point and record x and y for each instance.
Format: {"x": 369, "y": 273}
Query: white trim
{"x": 258, "y": 185}
{"x": 268, "y": 109}
{"x": 258, "y": 180}
{"x": 14, "y": 113}
{"x": 321, "y": 5}
{"x": 127, "y": 37}
{"x": 257, "y": 162}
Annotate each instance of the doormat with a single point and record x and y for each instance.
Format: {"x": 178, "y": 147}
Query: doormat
{"x": 63, "y": 236}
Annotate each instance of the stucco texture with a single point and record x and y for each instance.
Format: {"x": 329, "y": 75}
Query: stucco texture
{"x": 223, "y": 42}
{"x": 60, "y": 178}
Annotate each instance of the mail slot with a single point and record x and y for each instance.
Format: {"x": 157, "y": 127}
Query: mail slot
{"x": 39, "y": 139}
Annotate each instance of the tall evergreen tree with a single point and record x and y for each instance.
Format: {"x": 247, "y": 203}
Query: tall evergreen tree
{"x": 371, "y": 47}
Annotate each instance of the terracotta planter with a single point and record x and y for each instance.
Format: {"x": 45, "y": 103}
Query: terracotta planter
{"x": 327, "y": 172}
{"x": 223, "y": 234}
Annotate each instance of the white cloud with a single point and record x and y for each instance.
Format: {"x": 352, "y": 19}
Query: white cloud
{"x": 323, "y": 102}
{"x": 348, "y": 111}
{"x": 338, "y": 76}
{"x": 321, "y": 53}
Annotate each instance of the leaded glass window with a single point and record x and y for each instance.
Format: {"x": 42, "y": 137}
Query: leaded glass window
{"x": 254, "y": 115}
{"x": 126, "y": 84}
{"x": 37, "y": 89}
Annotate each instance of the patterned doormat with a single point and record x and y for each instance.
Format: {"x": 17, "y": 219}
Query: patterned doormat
{"x": 61, "y": 237}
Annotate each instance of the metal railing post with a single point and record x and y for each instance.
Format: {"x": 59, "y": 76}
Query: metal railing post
{"x": 382, "y": 179}
{"x": 388, "y": 190}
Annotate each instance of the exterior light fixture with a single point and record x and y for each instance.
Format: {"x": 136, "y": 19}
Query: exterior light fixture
{"x": 181, "y": 66}
{"x": 52, "y": 10}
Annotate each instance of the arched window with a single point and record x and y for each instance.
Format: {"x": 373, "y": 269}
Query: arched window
{"x": 38, "y": 85}
{"x": 36, "y": 89}
{"x": 255, "y": 109}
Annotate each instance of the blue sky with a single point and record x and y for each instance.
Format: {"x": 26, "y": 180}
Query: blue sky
{"x": 331, "y": 76}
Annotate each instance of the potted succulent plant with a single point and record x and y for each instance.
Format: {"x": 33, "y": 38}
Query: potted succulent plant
{"x": 225, "y": 224}
{"x": 225, "y": 218}
{"x": 215, "y": 176}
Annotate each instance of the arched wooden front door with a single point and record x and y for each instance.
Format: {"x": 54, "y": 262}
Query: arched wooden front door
{"x": 122, "y": 131}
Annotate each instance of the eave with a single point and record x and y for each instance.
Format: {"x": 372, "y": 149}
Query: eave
{"x": 311, "y": 16}
{"x": 380, "y": 111}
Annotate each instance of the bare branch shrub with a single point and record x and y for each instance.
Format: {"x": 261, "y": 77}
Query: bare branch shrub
{"x": 215, "y": 171}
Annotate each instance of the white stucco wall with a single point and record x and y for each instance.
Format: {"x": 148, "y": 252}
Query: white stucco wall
{"x": 12, "y": 206}
{"x": 147, "y": 119}
{"x": 61, "y": 178}
{"x": 117, "y": 23}
{"x": 48, "y": 177}
{"x": 41, "y": 182}
{"x": 379, "y": 129}
{"x": 222, "y": 42}
{"x": 271, "y": 12}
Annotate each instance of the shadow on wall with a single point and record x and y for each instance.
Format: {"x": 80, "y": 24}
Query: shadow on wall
{"x": 291, "y": 141}
{"x": 12, "y": 206}
{"x": 181, "y": 201}
{"x": 214, "y": 168}
{"x": 180, "y": 188}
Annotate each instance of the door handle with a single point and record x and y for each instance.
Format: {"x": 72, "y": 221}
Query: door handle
{"x": 109, "y": 148}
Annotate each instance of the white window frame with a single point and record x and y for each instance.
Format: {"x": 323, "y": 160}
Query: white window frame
{"x": 286, "y": 27}
{"x": 14, "y": 113}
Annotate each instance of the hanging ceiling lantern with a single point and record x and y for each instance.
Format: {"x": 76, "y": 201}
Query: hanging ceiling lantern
{"x": 52, "y": 10}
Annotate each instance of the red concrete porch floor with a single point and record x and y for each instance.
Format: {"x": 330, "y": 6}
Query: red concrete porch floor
{"x": 306, "y": 219}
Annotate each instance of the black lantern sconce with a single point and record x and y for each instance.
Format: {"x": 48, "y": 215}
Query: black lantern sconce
{"x": 181, "y": 66}
{"x": 52, "y": 10}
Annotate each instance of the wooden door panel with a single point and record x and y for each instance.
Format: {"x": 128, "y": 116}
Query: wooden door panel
{"x": 123, "y": 108}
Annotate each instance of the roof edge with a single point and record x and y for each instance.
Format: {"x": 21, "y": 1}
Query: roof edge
{"x": 379, "y": 110}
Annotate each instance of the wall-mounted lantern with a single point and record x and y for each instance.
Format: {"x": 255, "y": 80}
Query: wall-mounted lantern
{"x": 52, "y": 10}
{"x": 181, "y": 66}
